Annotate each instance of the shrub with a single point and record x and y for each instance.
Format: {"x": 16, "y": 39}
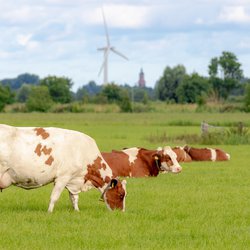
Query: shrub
{"x": 247, "y": 98}
{"x": 59, "y": 88}
{"x": 16, "y": 108}
{"x": 39, "y": 99}
{"x": 125, "y": 104}
{"x": 233, "y": 136}
{"x": 6, "y": 97}
{"x": 140, "y": 108}
{"x": 23, "y": 93}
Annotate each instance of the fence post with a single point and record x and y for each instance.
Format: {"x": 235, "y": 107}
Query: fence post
{"x": 204, "y": 128}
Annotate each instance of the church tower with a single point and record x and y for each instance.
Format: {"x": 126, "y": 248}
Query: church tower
{"x": 141, "y": 82}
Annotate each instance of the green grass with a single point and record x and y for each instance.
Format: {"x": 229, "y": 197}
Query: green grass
{"x": 207, "y": 206}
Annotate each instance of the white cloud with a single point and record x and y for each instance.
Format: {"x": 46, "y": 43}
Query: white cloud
{"x": 27, "y": 42}
{"x": 23, "y": 39}
{"x": 23, "y": 14}
{"x": 120, "y": 16}
{"x": 235, "y": 14}
{"x": 199, "y": 21}
{"x": 4, "y": 55}
{"x": 244, "y": 44}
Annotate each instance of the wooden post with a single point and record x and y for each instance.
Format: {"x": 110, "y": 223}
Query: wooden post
{"x": 204, "y": 128}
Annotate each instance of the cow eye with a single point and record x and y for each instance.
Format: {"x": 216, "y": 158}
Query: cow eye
{"x": 121, "y": 196}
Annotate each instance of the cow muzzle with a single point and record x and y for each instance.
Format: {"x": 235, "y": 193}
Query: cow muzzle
{"x": 172, "y": 169}
{"x": 176, "y": 170}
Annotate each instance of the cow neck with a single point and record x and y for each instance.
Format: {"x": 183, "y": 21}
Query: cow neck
{"x": 149, "y": 158}
{"x": 187, "y": 149}
{"x": 157, "y": 163}
{"x": 95, "y": 174}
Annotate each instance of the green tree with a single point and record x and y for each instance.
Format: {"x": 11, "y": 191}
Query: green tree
{"x": 23, "y": 93}
{"x": 167, "y": 85}
{"x": 139, "y": 94}
{"x": 112, "y": 92}
{"x": 192, "y": 88}
{"x": 92, "y": 88}
{"x": 116, "y": 94}
{"x": 17, "y": 82}
{"x": 213, "y": 67}
{"x": 247, "y": 97}
{"x": 82, "y": 95}
{"x": 124, "y": 102}
{"x": 225, "y": 73}
{"x": 145, "y": 98}
{"x": 231, "y": 68}
{"x": 59, "y": 88}
{"x": 6, "y": 96}
{"x": 39, "y": 99}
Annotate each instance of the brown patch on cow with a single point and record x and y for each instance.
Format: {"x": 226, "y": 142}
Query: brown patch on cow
{"x": 115, "y": 196}
{"x": 42, "y": 132}
{"x": 38, "y": 149}
{"x": 221, "y": 155}
{"x": 182, "y": 155}
{"x": 46, "y": 150}
{"x": 94, "y": 174}
{"x": 107, "y": 179}
{"x": 205, "y": 154}
{"x": 118, "y": 162}
{"x": 49, "y": 160}
{"x": 144, "y": 165}
{"x": 151, "y": 161}
{"x": 199, "y": 154}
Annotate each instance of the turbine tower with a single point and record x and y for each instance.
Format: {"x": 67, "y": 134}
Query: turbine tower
{"x": 106, "y": 50}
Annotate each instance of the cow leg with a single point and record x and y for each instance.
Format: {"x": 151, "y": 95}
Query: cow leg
{"x": 74, "y": 199}
{"x": 56, "y": 192}
{"x": 5, "y": 180}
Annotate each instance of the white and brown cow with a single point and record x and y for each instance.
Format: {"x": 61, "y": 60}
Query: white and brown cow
{"x": 207, "y": 154}
{"x": 182, "y": 155}
{"x": 33, "y": 157}
{"x": 141, "y": 162}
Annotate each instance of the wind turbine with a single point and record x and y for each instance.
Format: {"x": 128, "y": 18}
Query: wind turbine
{"x": 106, "y": 50}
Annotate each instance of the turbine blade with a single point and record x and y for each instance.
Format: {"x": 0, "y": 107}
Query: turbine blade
{"x": 101, "y": 48}
{"x": 118, "y": 53}
{"x": 104, "y": 61}
{"x": 106, "y": 27}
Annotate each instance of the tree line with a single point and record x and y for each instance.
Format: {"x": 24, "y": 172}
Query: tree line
{"x": 175, "y": 86}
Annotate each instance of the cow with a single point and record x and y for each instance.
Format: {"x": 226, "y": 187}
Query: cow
{"x": 207, "y": 154}
{"x": 182, "y": 155}
{"x": 33, "y": 157}
{"x": 141, "y": 162}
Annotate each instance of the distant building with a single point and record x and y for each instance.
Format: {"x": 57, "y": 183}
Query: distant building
{"x": 141, "y": 82}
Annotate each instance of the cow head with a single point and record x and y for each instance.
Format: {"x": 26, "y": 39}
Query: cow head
{"x": 168, "y": 160}
{"x": 114, "y": 195}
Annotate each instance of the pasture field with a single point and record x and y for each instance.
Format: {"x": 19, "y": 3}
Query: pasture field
{"x": 207, "y": 206}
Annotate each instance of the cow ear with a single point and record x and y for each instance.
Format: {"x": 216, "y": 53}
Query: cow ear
{"x": 113, "y": 183}
{"x": 156, "y": 157}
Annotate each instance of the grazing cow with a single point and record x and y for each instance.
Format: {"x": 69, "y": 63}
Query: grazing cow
{"x": 33, "y": 157}
{"x": 207, "y": 154}
{"x": 182, "y": 155}
{"x": 140, "y": 162}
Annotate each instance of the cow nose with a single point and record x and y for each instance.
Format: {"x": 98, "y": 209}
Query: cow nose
{"x": 178, "y": 170}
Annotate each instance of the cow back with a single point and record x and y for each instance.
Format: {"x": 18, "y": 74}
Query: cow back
{"x": 182, "y": 155}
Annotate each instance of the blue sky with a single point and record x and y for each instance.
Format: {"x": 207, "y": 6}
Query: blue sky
{"x": 61, "y": 37}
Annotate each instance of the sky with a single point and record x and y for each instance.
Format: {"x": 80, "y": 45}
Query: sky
{"x": 61, "y": 37}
